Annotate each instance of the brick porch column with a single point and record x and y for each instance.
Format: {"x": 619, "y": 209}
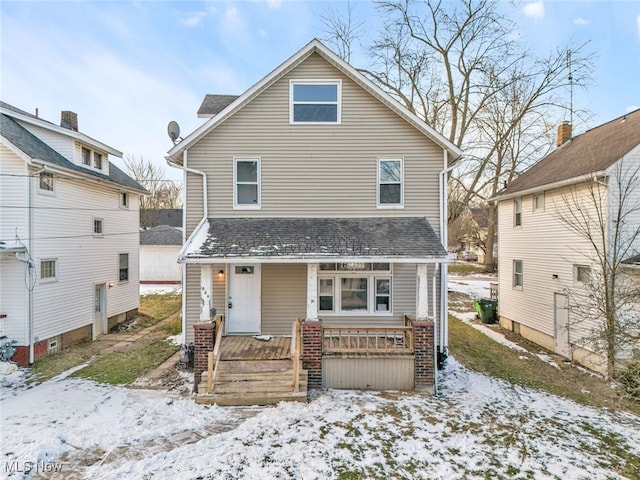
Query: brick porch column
{"x": 312, "y": 351}
{"x": 205, "y": 337}
{"x": 424, "y": 356}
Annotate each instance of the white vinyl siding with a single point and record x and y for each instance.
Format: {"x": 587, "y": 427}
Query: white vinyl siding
{"x": 315, "y": 171}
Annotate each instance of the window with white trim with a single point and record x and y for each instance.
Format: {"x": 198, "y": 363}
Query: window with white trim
{"x": 86, "y": 156}
{"x": 354, "y": 288}
{"x": 124, "y": 199}
{"x": 47, "y": 183}
{"x": 538, "y": 202}
{"x": 517, "y": 212}
{"x": 97, "y": 160}
{"x": 123, "y": 267}
{"x": 246, "y": 183}
{"x": 315, "y": 101}
{"x": 98, "y": 226}
{"x": 48, "y": 270}
{"x": 518, "y": 274}
{"x": 390, "y": 182}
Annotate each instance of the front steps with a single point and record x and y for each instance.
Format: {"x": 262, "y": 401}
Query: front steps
{"x": 253, "y": 382}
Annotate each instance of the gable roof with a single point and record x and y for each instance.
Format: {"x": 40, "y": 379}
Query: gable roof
{"x": 35, "y": 149}
{"x": 161, "y": 235}
{"x": 326, "y": 239}
{"x": 591, "y": 152}
{"x": 315, "y": 46}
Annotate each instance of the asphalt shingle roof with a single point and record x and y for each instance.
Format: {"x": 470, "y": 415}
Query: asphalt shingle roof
{"x": 318, "y": 238}
{"x": 161, "y": 235}
{"x": 214, "y": 104}
{"x": 593, "y": 151}
{"x": 37, "y": 149}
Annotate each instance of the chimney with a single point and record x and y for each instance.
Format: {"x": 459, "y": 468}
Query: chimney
{"x": 564, "y": 133}
{"x": 69, "y": 120}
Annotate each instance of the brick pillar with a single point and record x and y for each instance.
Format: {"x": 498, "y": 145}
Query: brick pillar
{"x": 205, "y": 337}
{"x": 424, "y": 355}
{"x": 312, "y": 351}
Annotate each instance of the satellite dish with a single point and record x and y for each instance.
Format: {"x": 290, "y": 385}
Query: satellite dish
{"x": 173, "y": 129}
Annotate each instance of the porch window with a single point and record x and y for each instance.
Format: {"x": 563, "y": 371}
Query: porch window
{"x": 354, "y": 288}
{"x": 246, "y": 175}
{"x": 325, "y": 294}
{"x": 314, "y": 101}
{"x": 390, "y": 179}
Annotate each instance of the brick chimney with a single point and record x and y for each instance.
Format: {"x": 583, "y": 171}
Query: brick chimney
{"x": 564, "y": 133}
{"x": 69, "y": 120}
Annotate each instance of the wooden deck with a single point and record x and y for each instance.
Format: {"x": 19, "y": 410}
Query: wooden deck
{"x": 240, "y": 347}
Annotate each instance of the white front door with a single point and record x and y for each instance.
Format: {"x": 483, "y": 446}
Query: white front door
{"x": 244, "y": 299}
{"x": 100, "y": 310}
{"x": 561, "y": 317}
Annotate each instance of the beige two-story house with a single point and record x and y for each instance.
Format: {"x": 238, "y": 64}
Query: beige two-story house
{"x": 314, "y": 195}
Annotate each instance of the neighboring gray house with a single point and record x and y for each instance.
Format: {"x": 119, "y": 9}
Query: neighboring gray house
{"x": 154, "y": 217}
{"x": 543, "y": 263}
{"x": 159, "y": 248}
{"x": 315, "y": 195}
{"x": 68, "y": 235}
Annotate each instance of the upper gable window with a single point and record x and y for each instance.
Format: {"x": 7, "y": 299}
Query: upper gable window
{"x": 390, "y": 176}
{"x": 316, "y": 101}
{"x": 86, "y": 156}
{"x": 246, "y": 183}
{"x": 97, "y": 160}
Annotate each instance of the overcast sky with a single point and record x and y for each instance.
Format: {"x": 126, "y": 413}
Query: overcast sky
{"x": 128, "y": 68}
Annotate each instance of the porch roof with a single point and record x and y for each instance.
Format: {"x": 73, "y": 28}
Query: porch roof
{"x": 307, "y": 239}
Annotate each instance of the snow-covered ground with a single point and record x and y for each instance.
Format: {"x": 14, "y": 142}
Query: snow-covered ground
{"x": 159, "y": 288}
{"x": 477, "y": 427}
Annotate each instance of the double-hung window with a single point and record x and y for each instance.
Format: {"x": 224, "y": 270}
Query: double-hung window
{"x": 517, "y": 212}
{"x": 97, "y": 160}
{"x": 46, "y": 183}
{"x": 390, "y": 182}
{"x": 315, "y": 101}
{"x": 86, "y": 156}
{"x": 246, "y": 183}
{"x": 518, "y": 274}
{"x": 354, "y": 288}
{"x": 98, "y": 226}
{"x": 123, "y": 267}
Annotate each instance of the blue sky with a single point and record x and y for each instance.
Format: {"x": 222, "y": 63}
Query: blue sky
{"x": 128, "y": 68}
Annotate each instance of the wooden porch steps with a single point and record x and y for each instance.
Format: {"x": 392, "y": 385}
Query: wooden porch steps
{"x": 253, "y": 382}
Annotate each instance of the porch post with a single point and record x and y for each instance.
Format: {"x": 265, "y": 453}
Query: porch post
{"x": 206, "y": 292}
{"x": 422, "y": 307}
{"x": 312, "y": 291}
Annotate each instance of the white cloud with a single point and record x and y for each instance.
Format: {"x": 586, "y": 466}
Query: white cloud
{"x": 193, "y": 19}
{"x": 232, "y": 14}
{"x": 580, "y": 21}
{"x": 534, "y": 10}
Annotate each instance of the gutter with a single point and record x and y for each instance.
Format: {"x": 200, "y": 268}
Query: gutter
{"x": 550, "y": 186}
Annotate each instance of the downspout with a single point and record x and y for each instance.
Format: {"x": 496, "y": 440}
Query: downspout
{"x": 205, "y": 214}
{"x": 31, "y": 267}
{"x": 443, "y": 345}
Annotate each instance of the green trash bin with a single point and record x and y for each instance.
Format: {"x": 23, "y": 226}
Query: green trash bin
{"x": 486, "y": 310}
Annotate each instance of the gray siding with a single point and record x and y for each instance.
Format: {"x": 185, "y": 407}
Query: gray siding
{"x": 368, "y": 373}
{"x": 318, "y": 170}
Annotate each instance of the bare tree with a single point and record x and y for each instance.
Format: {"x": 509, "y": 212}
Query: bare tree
{"x": 164, "y": 193}
{"x": 462, "y": 67}
{"x": 605, "y": 213}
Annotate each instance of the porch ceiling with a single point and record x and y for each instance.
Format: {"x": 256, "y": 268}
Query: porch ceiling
{"x": 381, "y": 239}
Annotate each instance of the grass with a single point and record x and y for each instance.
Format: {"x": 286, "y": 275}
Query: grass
{"x": 123, "y": 368}
{"x": 153, "y": 309}
{"x": 478, "y": 352}
{"x": 465, "y": 268}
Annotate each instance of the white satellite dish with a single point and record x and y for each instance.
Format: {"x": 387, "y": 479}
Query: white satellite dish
{"x": 173, "y": 129}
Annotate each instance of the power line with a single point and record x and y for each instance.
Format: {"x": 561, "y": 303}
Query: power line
{"x": 139, "y": 181}
{"x": 142, "y": 210}
{"x": 66, "y": 237}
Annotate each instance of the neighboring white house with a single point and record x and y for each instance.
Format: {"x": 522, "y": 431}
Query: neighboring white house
{"x": 159, "y": 248}
{"x": 69, "y": 235}
{"x": 544, "y": 264}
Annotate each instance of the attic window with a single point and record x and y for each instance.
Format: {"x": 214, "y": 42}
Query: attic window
{"x": 314, "y": 101}
{"x": 86, "y": 156}
{"x": 97, "y": 160}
